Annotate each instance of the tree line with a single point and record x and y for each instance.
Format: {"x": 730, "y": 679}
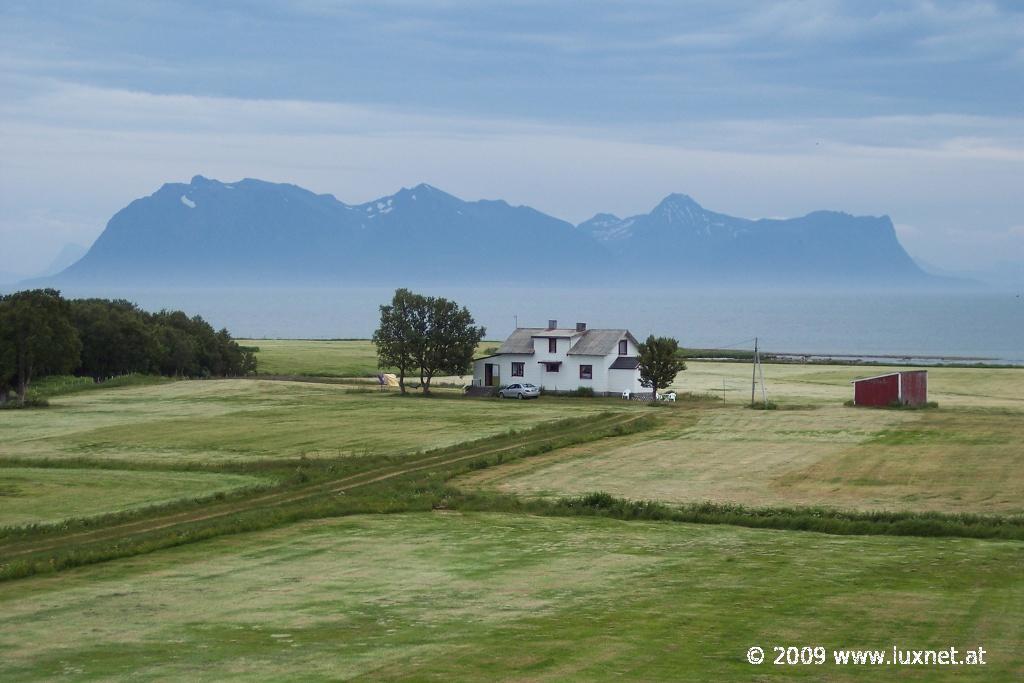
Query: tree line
{"x": 425, "y": 335}
{"x": 42, "y": 333}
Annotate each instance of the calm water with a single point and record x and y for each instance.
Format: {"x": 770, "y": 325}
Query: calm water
{"x": 941, "y": 324}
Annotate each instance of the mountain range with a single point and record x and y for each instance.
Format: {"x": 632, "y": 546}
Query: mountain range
{"x": 253, "y": 232}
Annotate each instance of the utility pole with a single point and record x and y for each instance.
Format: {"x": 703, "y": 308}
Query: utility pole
{"x": 757, "y": 371}
{"x": 753, "y": 374}
{"x": 760, "y": 371}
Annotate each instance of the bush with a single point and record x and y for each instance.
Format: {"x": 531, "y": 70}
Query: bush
{"x": 583, "y": 391}
{"x": 895, "y": 405}
{"x": 764, "y": 406}
{"x": 30, "y": 402}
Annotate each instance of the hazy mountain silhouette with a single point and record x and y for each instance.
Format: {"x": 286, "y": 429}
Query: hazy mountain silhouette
{"x": 255, "y": 232}
{"x": 693, "y": 242}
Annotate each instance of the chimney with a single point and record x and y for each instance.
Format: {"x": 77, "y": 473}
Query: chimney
{"x": 581, "y": 327}
{"x": 552, "y": 324}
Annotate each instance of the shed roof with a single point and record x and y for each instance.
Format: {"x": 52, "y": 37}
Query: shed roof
{"x": 888, "y": 374}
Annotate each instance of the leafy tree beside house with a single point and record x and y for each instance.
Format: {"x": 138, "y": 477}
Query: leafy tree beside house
{"x": 36, "y": 338}
{"x": 431, "y": 335}
{"x": 400, "y": 337}
{"x": 659, "y": 363}
{"x": 451, "y": 340}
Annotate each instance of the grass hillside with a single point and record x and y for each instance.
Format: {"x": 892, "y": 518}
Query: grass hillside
{"x": 218, "y": 420}
{"x": 216, "y": 529}
{"x": 448, "y": 596}
{"x": 35, "y": 495}
{"x": 947, "y": 460}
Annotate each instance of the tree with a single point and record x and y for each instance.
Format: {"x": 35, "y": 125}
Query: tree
{"x": 36, "y": 337}
{"x": 450, "y": 341}
{"x": 429, "y": 334}
{"x": 117, "y": 338}
{"x": 659, "y": 364}
{"x": 402, "y": 332}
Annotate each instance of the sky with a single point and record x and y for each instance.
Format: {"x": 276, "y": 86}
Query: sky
{"x": 909, "y": 109}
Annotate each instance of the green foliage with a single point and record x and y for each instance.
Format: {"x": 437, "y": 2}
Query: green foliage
{"x": 29, "y": 402}
{"x": 119, "y": 338}
{"x": 770, "y": 405}
{"x": 401, "y": 333}
{"x": 451, "y": 340}
{"x": 43, "y": 334}
{"x": 822, "y": 520}
{"x": 431, "y": 334}
{"x": 895, "y": 405}
{"x": 36, "y": 338}
{"x": 59, "y": 385}
{"x": 659, "y": 363}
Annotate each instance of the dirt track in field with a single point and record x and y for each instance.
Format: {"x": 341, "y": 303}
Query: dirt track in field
{"x": 15, "y": 549}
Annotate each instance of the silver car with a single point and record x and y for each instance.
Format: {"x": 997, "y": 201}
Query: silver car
{"x": 519, "y": 391}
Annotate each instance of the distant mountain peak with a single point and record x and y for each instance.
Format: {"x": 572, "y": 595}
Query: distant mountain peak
{"x": 680, "y": 199}
{"x": 258, "y": 231}
{"x": 680, "y": 208}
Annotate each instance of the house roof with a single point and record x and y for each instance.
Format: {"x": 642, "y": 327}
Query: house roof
{"x": 555, "y": 332}
{"x": 599, "y": 342}
{"x": 588, "y": 342}
{"x": 520, "y": 341}
{"x": 625, "y": 363}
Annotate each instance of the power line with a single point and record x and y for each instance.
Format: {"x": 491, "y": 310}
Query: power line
{"x": 718, "y": 347}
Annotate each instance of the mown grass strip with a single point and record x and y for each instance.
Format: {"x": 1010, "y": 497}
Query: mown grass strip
{"x": 412, "y": 484}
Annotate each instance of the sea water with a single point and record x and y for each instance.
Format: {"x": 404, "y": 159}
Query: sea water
{"x": 964, "y": 324}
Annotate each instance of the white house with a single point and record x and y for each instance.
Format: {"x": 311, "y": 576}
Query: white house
{"x": 564, "y": 359}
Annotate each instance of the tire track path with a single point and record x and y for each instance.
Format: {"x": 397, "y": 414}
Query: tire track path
{"x": 16, "y": 549}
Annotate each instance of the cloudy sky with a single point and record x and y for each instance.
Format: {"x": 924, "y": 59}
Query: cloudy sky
{"x": 911, "y": 109}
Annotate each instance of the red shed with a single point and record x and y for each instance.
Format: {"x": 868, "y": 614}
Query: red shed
{"x": 908, "y": 387}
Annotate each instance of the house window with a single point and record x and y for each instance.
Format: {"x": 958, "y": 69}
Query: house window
{"x": 551, "y": 367}
{"x": 552, "y": 345}
{"x": 623, "y": 347}
{"x": 586, "y": 372}
{"x": 517, "y": 369}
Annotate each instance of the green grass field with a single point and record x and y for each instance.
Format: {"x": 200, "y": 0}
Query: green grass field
{"x": 33, "y": 495}
{"x": 963, "y": 457}
{"x": 499, "y": 597}
{"x": 793, "y": 383}
{"x": 320, "y": 358}
{"x": 947, "y": 460}
{"x": 218, "y": 420}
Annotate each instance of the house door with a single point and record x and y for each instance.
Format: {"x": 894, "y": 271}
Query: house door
{"x": 491, "y": 374}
